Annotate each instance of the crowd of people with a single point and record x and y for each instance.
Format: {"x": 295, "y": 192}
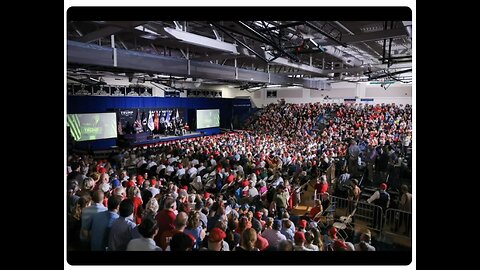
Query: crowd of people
{"x": 236, "y": 191}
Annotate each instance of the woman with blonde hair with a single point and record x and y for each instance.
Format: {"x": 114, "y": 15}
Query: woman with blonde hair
{"x": 133, "y": 193}
{"x": 151, "y": 208}
{"x": 249, "y": 238}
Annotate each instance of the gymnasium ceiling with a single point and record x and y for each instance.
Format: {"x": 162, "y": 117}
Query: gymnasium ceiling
{"x": 244, "y": 53}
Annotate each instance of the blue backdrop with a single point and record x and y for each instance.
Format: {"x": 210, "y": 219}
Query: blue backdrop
{"x": 230, "y": 109}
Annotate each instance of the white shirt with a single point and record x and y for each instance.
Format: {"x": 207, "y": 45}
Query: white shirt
{"x": 312, "y": 247}
{"x": 252, "y": 192}
{"x": 169, "y": 170}
{"x": 151, "y": 164}
{"x": 181, "y": 172}
{"x": 142, "y": 244}
{"x": 154, "y": 191}
{"x": 140, "y": 163}
{"x": 160, "y": 167}
{"x": 192, "y": 171}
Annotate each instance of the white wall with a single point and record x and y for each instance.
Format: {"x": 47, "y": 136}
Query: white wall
{"x": 396, "y": 93}
{"x": 401, "y": 94}
{"x": 397, "y": 90}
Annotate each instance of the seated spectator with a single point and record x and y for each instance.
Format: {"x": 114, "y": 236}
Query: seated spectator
{"x": 364, "y": 244}
{"x": 300, "y": 242}
{"x": 215, "y": 240}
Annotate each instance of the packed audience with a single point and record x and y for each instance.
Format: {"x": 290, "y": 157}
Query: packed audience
{"x": 235, "y": 191}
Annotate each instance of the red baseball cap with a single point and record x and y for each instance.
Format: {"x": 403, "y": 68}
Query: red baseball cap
{"x": 130, "y": 184}
{"x": 216, "y": 235}
{"x": 299, "y": 236}
{"x": 302, "y": 223}
{"x": 153, "y": 182}
{"x": 333, "y": 232}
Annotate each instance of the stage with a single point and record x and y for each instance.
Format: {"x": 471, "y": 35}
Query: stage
{"x": 140, "y": 139}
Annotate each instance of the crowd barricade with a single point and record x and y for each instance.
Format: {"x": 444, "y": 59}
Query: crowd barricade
{"x": 362, "y": 213}
{"x": 398, "y": 222}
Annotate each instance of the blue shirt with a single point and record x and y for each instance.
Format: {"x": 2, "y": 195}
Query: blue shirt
{"x": 123, "y": 230}
{"x": 100, "y": 229}
{"x": 88, "y": 213}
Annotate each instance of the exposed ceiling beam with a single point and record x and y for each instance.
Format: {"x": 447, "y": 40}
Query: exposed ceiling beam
{"x": 94, "y": 55}
{"x": 391, "y": 74}
{"x": 285, "y": 62}
{"x": 321, "y": 31}
{"x": 103, "y": 32}
{"x": 281, "y": 26}
{"x": 268, "y": 41}
{"x": 221, "y": 56}
{"x": 202, "y": 41}
{"x": 385, "y": 34}
{"x": 239, "y": 41}
{"x": 108, "y": 30}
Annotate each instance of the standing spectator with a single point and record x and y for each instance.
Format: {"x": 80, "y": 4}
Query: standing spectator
{"x": 382, "y": 199}
{"x": 281, "y": 200}
{"x": 88, "y": 213}
{"x": 74, "y": 224}
{"x": 123, "y": 229}
{"x": 353, "y": 195}
{"x": 147, "y": 229}
{"x": 316, "y": 211}
{"x": 133, "y": 194}
{"x": 364, "y": 244}
{"x": 180, "y": 223}
{"x": 370, "y": 159}
{"x": 353, "y": 154}
{"x": 72, "y": 198}
{"x": 405, "y": 205}
{"x": 151, "y": 208}
{"x": 166, "y": 217}
{"x": 102, "y": 223}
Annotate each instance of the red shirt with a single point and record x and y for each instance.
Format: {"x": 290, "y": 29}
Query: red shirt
{"x": 164, "y": 240}
{"x": 137, "y": 202}
{"x": 261, "y": 243}
{"x": 321, "y": 187}
{"x": 165, "y": 220}
{"x": 315, "y": 210}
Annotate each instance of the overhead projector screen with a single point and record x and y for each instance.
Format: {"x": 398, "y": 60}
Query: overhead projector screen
{"x": 208, "y": 118}
{"x": 92, "y": 126}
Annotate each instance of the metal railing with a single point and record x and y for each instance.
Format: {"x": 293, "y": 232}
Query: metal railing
{"x": 348, "y": 213}
{"x": 367, "y": 215}
{"x": 398, "y": 222}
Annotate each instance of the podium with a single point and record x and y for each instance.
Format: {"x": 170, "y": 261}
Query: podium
{"x": 136, "y": 137}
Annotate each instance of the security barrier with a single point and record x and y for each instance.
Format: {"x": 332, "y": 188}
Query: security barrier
{"x": 398, "y": 222}
{"x": 366, "y": 214}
